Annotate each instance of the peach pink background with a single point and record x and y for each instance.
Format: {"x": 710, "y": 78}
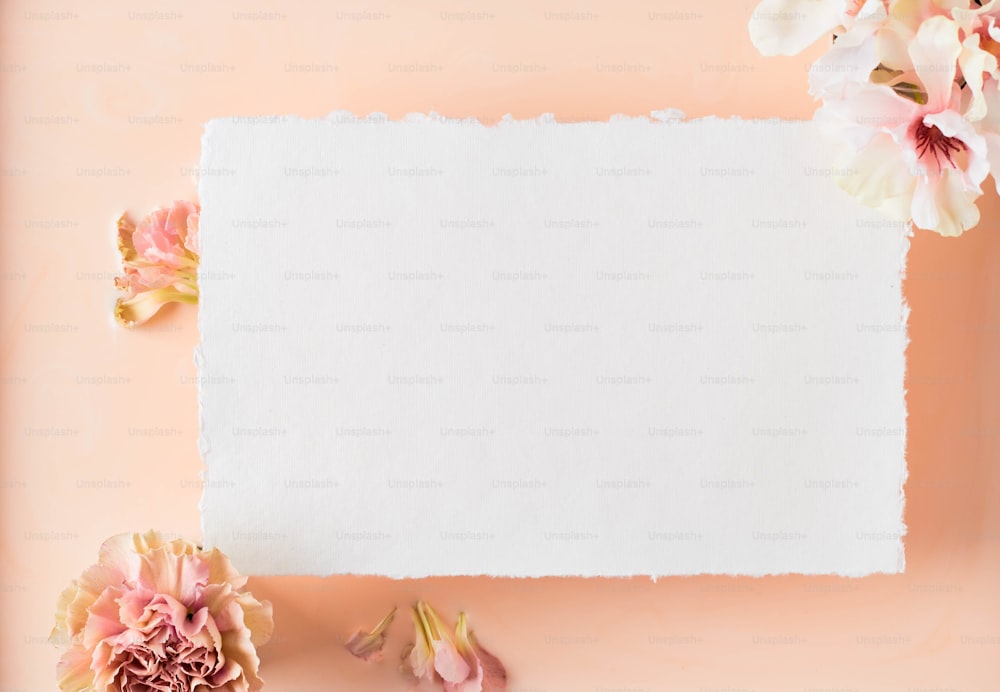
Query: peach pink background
{"x": 102, "y": 105}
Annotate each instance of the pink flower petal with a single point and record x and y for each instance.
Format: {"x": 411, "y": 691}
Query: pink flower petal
{"x": 420, "y": 656}
{"x": 864, "y": 112}
{"x": 448, "y": 663}
{"x": 494, "y": 673}
{"x": 257, "y": 617}
{"x": 368, "y": 645}
{"x": 103, "y": 621}
{"x": 154, "y": 242}
{"x": 191, "y": 238}
{"x": 180, "y": 577}
{"x": 488, "y": 674}
{"x": 176, "y": 224}
{"x": 221, "y": 569}
{"x": 60, "y": 635}
{"x": 73, "y": 671}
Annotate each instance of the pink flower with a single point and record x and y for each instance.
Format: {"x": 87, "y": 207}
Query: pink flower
{"x": 916, "y": 160}
{"x": 460, "y": 664}
{"x": 157, "y": 615}
{"x": 368, "y": 645}
{"x": 160, "y": 261}
{"x": 977, "y": 59}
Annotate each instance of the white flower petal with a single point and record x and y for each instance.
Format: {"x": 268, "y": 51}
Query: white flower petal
{"x": 974, "y": 61}
{"x": 993, "y": 157}
{"x": 993, "y": 30}
{"x": 847, "y": 61}
{"x": 879, "y": 176}
{"x": 968, "y": 18}
{"x": 989, "y": 128}
{"x": 866, "y": 110}
{"x": 933, "y": 52}
{"x": 945, "y": 204}
{"x": 787, "y": 27}
{"x": 872, "y": 11}
{"x": 896, "y": 35}
{"x": 991, "y": 122}
{"x": 892, "y": 41}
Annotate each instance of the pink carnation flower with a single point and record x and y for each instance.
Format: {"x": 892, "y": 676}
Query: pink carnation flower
{"x": 157, "y": 615}
{"x": 160, "y": 260}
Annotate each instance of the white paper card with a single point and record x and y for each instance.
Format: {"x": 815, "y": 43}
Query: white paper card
{"x": 636, "y": 347}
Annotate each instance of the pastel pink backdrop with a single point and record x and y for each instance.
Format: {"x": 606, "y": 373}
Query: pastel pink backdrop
{"x": 102, "y": 106}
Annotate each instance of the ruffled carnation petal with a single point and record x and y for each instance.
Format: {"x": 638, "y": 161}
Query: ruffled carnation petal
{"x": 126, "y": 228}
{"x": 191, "y": 239}
{"x": 89, "y": 588}
{"x": 221, "y": 570}
{"x": 73, "y": 671}
{"x": 182, "y": 577}
{"x": 103, "y": 621}
{"x": 60, "y": 632}
{"x": 157, "y": 623}
{"x": 240, "y": 650}
{"x": 258, "y": 618}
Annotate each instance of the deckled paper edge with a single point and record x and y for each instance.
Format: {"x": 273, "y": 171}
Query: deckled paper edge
{"x": 664, "y": 116}
{"x": 904, "y": 319}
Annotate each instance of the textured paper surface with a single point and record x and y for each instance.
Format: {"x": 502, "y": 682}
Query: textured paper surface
{"x": 625, "y": 348}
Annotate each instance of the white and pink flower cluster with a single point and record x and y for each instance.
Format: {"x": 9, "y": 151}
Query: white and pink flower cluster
{"x": 911, "y": 89}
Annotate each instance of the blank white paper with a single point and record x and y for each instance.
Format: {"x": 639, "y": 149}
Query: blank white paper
{"x": 636, "y": 347}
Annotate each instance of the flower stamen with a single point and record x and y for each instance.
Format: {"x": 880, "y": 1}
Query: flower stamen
{"x": 930, "y": 140}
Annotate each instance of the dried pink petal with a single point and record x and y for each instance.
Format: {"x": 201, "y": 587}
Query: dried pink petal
{"x": 462, "y": 665}
{"x": 420, "y": 656}
{"x": 368, "y": 645}
{"x": 486, "y": 674}
{"x": 450, "y": 664}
